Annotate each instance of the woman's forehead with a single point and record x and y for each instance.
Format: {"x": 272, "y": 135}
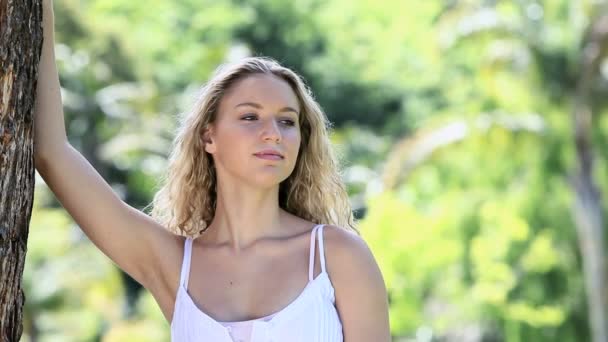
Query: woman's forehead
{"x": 265, "y": 90}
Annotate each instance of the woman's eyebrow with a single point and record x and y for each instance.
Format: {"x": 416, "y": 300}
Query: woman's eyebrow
{"x": 259, "y": 106}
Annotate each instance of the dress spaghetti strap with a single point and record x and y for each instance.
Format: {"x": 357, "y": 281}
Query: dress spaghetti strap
{"x": 185, "y": 273}
{"x": 321, "y": 249}
{"x": 311, "y": 263}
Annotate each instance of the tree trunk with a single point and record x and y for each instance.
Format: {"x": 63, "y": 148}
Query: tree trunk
{"x": 20, "y": 48}
{"x": 587, "y": 208}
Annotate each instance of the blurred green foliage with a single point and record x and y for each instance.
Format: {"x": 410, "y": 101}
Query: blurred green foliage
{"x": 452, "y": 120}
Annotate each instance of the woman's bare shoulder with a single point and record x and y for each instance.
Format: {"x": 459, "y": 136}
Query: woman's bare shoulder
{"x": 345, "y": 247}
{"x": 360, "y": 292}
{"x": 350, "y": 262}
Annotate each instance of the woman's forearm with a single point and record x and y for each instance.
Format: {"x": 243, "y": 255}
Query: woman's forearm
{"x": 49, "y": 125}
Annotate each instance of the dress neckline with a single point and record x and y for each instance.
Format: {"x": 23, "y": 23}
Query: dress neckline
{"x": 276, "y": 316}
{"x": 233, "y": 323}
{"x": 293, "y": 307}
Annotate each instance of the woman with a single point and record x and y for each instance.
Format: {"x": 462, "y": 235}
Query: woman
{"x": 251, "y": 237}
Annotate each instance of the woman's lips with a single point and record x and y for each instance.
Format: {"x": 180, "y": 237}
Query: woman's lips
{"x": 268, "y": 156}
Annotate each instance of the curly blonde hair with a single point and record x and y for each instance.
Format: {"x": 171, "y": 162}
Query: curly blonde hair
{"x": 186, "y": 201}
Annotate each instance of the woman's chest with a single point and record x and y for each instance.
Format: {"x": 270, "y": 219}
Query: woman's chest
{"x": 248, "y": 287}
{"x": 311, "y": 317}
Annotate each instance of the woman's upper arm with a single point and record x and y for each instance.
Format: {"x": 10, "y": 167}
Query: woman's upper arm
{"x": 361, "y": 296}
{"x": 132, "y": 239}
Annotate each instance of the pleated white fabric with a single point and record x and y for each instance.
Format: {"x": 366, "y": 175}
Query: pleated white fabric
{"x": 311, "y": 317}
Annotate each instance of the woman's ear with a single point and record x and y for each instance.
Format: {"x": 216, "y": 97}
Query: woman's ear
{"x": 208, "y": 141}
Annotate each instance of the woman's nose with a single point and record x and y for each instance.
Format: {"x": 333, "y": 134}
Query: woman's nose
{"x": 271, "y": 130}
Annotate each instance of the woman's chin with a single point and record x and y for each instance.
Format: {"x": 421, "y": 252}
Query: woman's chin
{"x": 267, "y": 180}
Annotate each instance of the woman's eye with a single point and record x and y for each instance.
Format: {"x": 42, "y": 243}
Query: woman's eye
{"x": 248, "y": 117}
{"x": 253, "y": 117}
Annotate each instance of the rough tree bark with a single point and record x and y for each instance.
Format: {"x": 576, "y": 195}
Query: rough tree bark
{"x": 587, "y": 208}
{"x": 20, "y": 48}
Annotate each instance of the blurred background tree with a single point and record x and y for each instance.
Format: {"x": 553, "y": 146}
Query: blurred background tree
{"x": 454, "y": 121}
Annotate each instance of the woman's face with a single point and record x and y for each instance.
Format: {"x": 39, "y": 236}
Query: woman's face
{"x": 258, "y": 118}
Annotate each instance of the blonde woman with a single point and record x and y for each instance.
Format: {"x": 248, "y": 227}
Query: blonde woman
{"x": 251, "y": 236}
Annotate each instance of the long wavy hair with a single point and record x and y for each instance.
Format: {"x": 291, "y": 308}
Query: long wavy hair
{"x": 314, "y": 191}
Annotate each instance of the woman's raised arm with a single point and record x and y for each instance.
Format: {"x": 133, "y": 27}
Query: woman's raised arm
{"x": 132, "y": 239}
